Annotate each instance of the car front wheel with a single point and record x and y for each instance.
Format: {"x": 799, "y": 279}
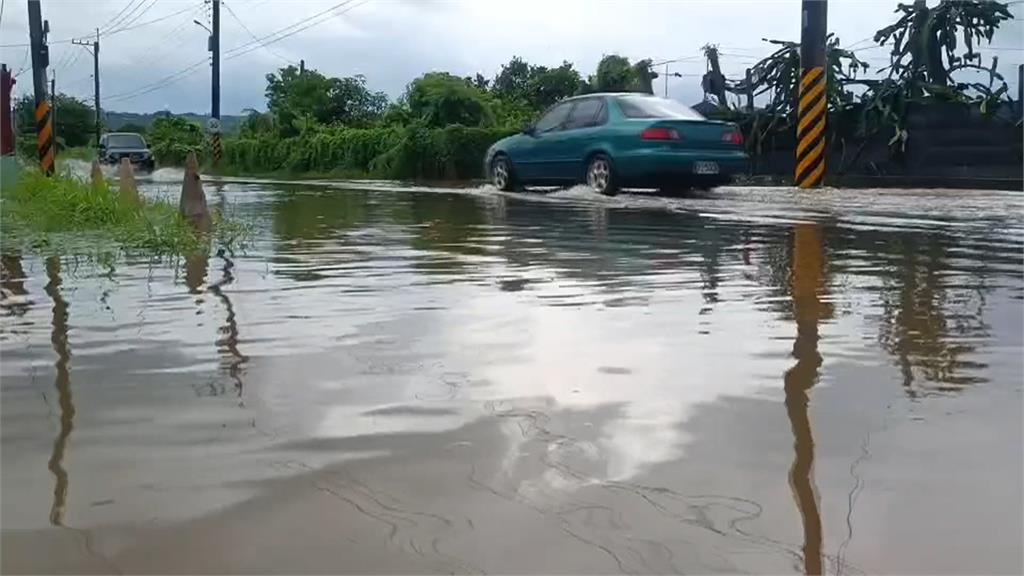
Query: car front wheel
{"x": 601, "y": 175}
{"x": 501, "y": 174}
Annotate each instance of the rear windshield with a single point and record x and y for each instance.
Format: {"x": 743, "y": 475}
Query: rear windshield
{"x": 125, "y": 141}
{"x": 654, "y": 107}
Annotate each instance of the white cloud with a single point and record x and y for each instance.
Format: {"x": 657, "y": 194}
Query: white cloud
{"x": 393, "y": 41}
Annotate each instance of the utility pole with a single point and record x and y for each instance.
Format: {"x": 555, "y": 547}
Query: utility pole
{"x": 38, "y": 29}
{"x": 95, "y": 79}
{"x": 6, "y": 128}
{"x": 302, "y": 67}
{"x": 8, "y": 164}
{"x": 214, "y": 124}
{"x": 53, "y": 107}
{"x": 812, "y": 103}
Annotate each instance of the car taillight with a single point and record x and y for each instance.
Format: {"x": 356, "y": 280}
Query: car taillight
{"x": 659, "y": 134}
{"x": 733, "y": 137}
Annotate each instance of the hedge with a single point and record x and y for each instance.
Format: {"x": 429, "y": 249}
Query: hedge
{"x": 412, "y": 152}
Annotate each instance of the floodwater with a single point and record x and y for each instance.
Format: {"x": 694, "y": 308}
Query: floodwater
{"x": 395, "y": 379}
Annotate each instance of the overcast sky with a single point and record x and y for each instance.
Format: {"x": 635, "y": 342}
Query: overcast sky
{"x": 393, "y": 41}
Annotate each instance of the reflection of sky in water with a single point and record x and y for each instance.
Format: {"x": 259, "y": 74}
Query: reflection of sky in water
{"x": 367, "y": 314}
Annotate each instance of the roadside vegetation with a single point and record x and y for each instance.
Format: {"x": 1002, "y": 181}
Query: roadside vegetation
{"x": 65, "y": 214}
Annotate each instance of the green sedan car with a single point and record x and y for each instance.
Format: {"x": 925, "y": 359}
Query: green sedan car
{"x": 619, "y": 140}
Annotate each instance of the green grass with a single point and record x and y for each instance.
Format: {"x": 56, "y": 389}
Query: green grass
{"x": 336, "y": 174}
{"x": 67, "y": 214}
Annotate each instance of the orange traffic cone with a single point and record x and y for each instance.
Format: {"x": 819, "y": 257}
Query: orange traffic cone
{"x": 193, "y": 200}
{"x": 128, "y": 190}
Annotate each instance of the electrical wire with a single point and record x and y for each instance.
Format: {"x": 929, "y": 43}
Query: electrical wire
{"x": 118, "y": 31}
{"x": 117, "y": 16}
{"x": 23, "y": 66}
{"x": 124, "y": 18}
{"x": 295, "y": 28}
{"x": 166, "y": 81}
{"x": 127, "y": 25}
{"x": 299, "y": 30}
{"x": 253, "y": 36}
{"x": 155, "y": 20}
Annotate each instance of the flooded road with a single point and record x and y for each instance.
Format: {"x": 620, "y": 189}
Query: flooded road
{"x": 393, "y": 379}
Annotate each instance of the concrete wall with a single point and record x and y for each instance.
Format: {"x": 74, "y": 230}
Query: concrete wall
{"x": 945, "y": 142}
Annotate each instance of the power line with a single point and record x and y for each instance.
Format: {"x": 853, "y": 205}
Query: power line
{"x": 118, "y": 31}
{"x": 281, "y": 35}
{"x": 154, "y": 21}
{"x": 255, "y": 39}
{"x": 118, "y": 21}
{"x": 23, "y": 66}
{"x": 278, "y": 39}
{"x": 118, "y": 15}
{"x": 128, "y": 23}
{"x": 166, "y": 81}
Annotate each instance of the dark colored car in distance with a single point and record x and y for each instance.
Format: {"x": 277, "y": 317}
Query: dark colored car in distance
{"x": 615, "y": 140}
{"x": 117, "y": 145}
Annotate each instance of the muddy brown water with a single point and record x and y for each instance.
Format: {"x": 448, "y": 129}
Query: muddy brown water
{"x": 394, "y": 379}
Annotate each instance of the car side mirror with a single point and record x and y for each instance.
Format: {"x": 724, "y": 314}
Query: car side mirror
{"x": 529, "y": 129}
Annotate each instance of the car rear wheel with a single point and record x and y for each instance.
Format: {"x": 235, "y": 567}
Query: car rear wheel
{"x": 601, "y": 175}
{"x": 501, "y": 174}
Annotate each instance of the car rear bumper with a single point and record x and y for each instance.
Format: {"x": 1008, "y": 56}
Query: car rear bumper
{"x": 660, "y": 166}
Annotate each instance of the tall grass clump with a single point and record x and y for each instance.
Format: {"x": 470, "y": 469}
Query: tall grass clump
{"x": 61, "y": 210}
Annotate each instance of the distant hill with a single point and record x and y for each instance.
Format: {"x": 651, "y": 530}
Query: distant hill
{"x": 115, "y": 120}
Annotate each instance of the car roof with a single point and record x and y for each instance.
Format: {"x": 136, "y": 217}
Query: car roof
{"x": 122, "y": 134}
{"x": 610, "y": 94}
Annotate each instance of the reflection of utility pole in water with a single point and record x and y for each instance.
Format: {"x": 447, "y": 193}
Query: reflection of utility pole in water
{"x": 59, "y": 339}
{"x": 807, "y": 283}
{"x": 196, "y": 265}
{"x": 227, "y": 345}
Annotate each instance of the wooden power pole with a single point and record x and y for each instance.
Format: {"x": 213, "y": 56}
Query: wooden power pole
{"x": 95, "y": 45}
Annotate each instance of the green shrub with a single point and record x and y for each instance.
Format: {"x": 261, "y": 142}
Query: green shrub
{"x": 172, "y": 138}
{"x": 412, "y": 152}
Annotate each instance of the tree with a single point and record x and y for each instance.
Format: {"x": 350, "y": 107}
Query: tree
{"x": 479, "y": 82}
{"x": 924, "y": 51}
{"x": 300, "y": 99}
{"x": 616, "y": 74}
{"x": 132, "y": 127}
{"x": 644, "y": 75}
{"x": 352, "y": 104}
{"x": 512, "y": 83}
{"x": 257, "y": 124}
{"x": 538, "y": 87}
{"x": 75, "y": 125}
{"x": 440, "y": 99}
{"x": 547, "y": 86}
{"x": 172, "y": 138}
{"x": 778, "y": 74}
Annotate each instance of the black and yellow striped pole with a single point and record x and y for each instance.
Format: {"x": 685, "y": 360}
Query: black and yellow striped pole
{"x": 215, "y": 148}
{"x": 37, "y": 29}
{"x": 812, "y": 105}
{"x": 44, "y": 132}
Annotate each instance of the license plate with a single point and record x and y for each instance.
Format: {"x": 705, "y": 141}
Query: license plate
{"x": 705, "y": 167}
